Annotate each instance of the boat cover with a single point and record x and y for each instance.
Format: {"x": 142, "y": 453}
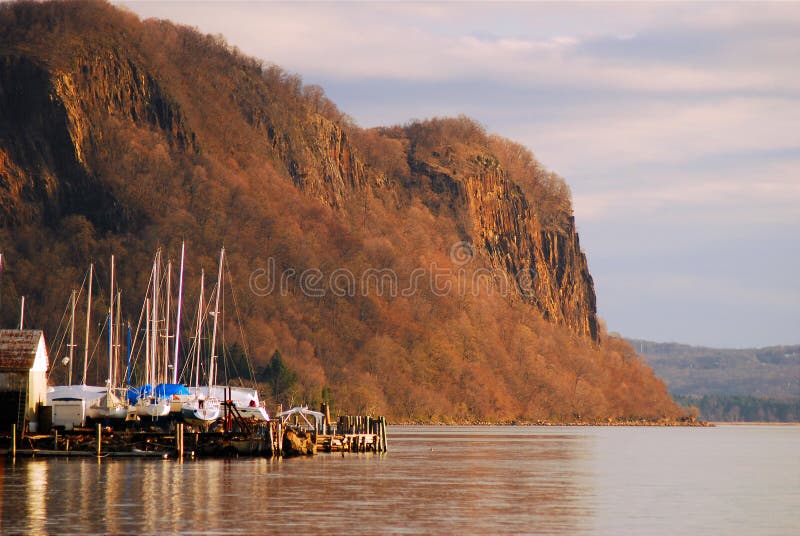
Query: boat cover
{"x": 162, "y": 390}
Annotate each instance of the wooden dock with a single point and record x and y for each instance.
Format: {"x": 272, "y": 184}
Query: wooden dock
{"x": 356, "y": 434}
{"x": 279, "y": 437}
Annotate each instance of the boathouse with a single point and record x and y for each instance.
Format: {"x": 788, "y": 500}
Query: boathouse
{"x": 23, "y": 376}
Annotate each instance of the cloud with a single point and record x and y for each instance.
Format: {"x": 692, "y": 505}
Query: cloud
{"x": 714, "y": 288}
{"x": 591, "y": 46}
{"x": 619, "y": 132}
{"x": 708, "y": 309}
{"x": 710, "y": 155}
{"x": 718, "y": 202}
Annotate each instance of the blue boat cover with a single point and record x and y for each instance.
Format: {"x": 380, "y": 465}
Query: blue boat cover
{"x": 162, "y": 390}
{"x": 166, "y": 390}
{"x": 134, "y": 393}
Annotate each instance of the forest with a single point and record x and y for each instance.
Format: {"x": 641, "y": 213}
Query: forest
{"x": 429, "y": 272}
{"x": 726, "y": 384}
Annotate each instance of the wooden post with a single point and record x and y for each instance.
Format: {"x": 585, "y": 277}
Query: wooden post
{"x": 383, "y": 434}
{"x": 380, "y": 434}
{"x": 13, "y": 440}
{"x": 228, "y": 422}
{"x": 271, "y": 439}
{"x": 55, "y": 440}
{"x": 179, "y": 439}
{"x": 327, "y": 411}
{"x": 99, "y": 438}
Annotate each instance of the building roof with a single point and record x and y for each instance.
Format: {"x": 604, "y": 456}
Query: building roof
{"x": 18, "y": 348}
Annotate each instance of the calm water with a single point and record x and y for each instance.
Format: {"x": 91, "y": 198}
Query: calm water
{"x": 436, "y": 480}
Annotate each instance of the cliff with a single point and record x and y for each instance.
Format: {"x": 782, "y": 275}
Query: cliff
{"x": 121, "y": 135}
{"x": 542, "y": 260}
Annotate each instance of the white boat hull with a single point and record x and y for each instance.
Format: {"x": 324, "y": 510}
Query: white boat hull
{"x": 201, "y": 411}
{"x": 88, "y": 393}
{"x": 109, "y": 406}
{"x": 102, "y": 412}
{"x": 253, "y": 412}
{"x": 152, "y": 408}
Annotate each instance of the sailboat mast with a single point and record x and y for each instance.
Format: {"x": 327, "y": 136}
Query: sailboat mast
{"x": 178, "y": 318}
{"x": 88, "y": 321}
{"x": 213, "y": 365}
{"x": 71, "y": 337}
{"x": 111, "y": 325}
{"x": 147, "y": 348}
{"x": 167, "y": 375}
{"x": 154, "y": 319}
{"x": 199, "y": 340}
{"x": 117, "y": 337}
{"x": 129, "y": 351}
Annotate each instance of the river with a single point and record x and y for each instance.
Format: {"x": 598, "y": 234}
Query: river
{"x": 729, "y": 479}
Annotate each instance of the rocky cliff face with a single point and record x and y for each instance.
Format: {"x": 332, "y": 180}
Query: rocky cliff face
{"x": 40, "y": 167}
{"x": 53, "y": 124}
{"x": 544, "y": 263}
{"x": 321, "y": 161}
{"x": 120, "y": 136}
{"x": 51, "y": 130}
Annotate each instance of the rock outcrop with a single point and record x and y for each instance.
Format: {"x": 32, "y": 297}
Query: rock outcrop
{"x": 120, "y": 135}
{"x": 53, "y": 125}
{"x": 543, "y": 262}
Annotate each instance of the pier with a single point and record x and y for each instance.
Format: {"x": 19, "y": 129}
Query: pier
{"x": 295, "y": 432}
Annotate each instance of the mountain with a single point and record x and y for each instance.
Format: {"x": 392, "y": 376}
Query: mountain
{"x": 429, "y": 271}
{"x": 751, "y": 384}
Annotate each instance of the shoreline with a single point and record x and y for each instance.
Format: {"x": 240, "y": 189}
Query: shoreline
{"x": 665, "y": 424}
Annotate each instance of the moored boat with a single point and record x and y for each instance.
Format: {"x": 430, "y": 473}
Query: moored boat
{"x": 201, "y": 410}
{"x": 108, "y": 406}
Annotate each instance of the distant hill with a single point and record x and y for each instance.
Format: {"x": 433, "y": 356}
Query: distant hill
{"x": 729, "y": 384}
{"x": 429, "y": 271}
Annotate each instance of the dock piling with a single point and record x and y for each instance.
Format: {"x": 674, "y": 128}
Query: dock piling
{"x": 179, "y": 439}
{"x": 13, "y": 440}
{"x": 99, "y": 438}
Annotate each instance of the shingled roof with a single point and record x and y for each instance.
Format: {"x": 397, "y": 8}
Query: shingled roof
{"x": 18, "y": 348}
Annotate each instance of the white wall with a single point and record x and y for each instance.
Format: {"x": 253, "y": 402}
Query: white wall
{"x": 37, "y": 380}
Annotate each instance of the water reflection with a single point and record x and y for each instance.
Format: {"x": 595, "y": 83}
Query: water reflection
{"x": 514, "y": 482}
{"x": 434, "y": 480}
{"x": 36, "y": 492}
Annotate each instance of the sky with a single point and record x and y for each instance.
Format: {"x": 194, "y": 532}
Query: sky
{"x": 676, "y": 126}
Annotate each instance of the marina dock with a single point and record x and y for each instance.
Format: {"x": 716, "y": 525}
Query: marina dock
{"x": 291, "y": 434}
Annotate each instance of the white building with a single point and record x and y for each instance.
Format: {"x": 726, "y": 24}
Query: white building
{"x": 23, "y": 376}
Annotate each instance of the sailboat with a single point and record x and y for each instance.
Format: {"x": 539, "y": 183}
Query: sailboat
{"x": 245, "y": 400}
{"x": 170, "y": 389}
{"x": 70, "y": 401}
{"x": 110, "y": 406}
{"x": 203, "y": 408}
{"x": 248, "y": 404}
{"x": 149, "y": 403}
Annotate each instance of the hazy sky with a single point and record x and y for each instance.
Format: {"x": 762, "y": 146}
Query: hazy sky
{"x": 677, "y": 126}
